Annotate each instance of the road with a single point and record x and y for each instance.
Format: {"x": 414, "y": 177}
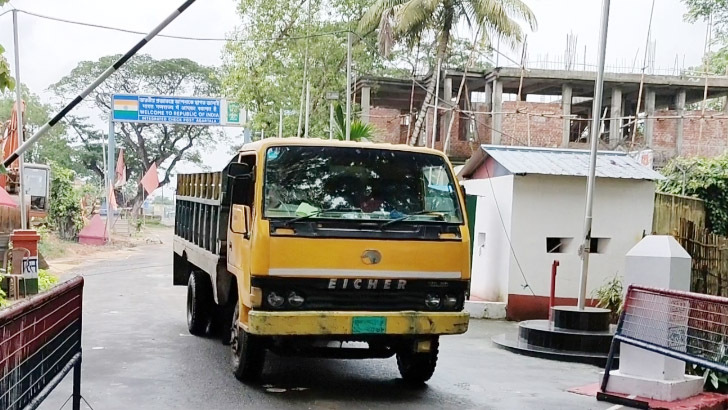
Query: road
{"x": 139, "y": 355}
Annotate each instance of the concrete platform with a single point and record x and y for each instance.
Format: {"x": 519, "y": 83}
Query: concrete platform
{"x": 703, "y": 401}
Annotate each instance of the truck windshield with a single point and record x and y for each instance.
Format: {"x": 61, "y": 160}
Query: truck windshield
{"x": 358, "y": 183}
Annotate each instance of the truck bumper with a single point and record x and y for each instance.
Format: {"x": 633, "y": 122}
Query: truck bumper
{"x": 321, "y": 323}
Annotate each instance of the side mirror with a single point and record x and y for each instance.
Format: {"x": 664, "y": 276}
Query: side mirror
{"x": 238, "y": 169}
{"x": 240, "y": 220}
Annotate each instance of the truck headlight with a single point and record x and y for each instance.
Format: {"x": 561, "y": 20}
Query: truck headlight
{"x": 449, "y": 301}
{"x": 275, "y": 300}
{"x": 432, "y": 301}
{"x": 295, "y": 300}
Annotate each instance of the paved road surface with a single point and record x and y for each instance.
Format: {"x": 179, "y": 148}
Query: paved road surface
{"x": 138, "y": 355}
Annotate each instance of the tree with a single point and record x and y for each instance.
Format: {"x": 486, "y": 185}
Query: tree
{"x": 144, "y": 144}
{"x": 264, "y": 62}
{"x": 5, "y": 80}
{"x": 53, "y": 146}
{"x": 408, "y": 21}
{"x": 704, "y": 178}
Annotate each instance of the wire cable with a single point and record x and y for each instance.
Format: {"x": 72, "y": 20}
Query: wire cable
{"x": 176, "y": 37}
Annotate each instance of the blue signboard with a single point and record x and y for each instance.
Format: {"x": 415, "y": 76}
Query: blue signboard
{"x": 170, "y": 110}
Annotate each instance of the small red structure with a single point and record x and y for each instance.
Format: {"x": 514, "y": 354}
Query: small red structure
{"x": 94, "y": 233}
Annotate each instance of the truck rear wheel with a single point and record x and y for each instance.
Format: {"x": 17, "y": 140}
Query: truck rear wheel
{"x": 248, "y": 352}
{"x": 417, "y": 368}
{"x": 199, "y": 303}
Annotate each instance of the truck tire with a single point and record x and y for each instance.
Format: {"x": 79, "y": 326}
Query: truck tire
{"x": 417, "y": 368}
{"x": 248, "y": 352}
{"x": 199, "y": 303}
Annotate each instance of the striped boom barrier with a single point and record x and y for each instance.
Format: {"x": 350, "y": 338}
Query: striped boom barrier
{"x": 47, "y": 126}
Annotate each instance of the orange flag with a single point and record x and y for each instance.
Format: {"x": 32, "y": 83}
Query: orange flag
{"x": 112, "y": 198}
{"x": 120, "y": 178}
{"x": 150, "y": 180}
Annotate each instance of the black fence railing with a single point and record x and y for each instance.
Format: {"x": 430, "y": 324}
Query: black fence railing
{"x": 40, "y": 342}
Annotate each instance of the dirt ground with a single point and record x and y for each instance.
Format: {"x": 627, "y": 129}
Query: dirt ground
{"x": 62, "y": 256}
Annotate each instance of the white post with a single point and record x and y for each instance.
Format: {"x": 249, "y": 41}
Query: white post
{"x": 21, "y": 134}
{"x": 308, "y": 109}
{"x": 331, "y": 120}
{"x": 596, "y": 109}
{"x": 348, "y": 86}
{"x": 280, "y": 124}
{"x": 111, "y": 172}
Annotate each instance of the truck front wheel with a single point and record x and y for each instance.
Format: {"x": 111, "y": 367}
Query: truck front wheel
{"x": 199, "y": 303}
{"x": 248, "y": 352}
{"x": 417, "y": 367}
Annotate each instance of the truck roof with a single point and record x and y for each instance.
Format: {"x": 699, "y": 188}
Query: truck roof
{"x": 316, "y": 142}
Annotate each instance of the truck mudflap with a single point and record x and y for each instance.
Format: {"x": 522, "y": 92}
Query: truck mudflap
{"x": 310, "y": 323}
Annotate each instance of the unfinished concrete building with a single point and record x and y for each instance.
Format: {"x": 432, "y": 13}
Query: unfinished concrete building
{"x": 552, "y": 108}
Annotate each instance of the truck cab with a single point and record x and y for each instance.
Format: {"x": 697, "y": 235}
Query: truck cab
{"x": 324, "y": 248}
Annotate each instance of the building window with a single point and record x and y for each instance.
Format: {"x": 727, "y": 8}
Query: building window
{"x": 557, "y": 245}
{"x": 598, "y": 245}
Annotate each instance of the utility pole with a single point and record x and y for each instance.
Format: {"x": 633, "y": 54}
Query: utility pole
{"x": 280, "y": 124}
{"x": 110, "y": 174}
{"x": 437, "y": 103}
{"x": 348, "y": 86}
{"x": 308, "y": 109}
{"x": 21, "y": 129}
{"x": 596, "y": 109}
{"x": 331, "y": 120}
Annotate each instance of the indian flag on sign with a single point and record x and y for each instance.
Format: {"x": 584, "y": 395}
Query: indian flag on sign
{"x": 126, "y": 107}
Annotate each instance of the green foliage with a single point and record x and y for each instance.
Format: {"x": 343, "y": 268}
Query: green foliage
{"x": 704, "y": 178}
{"x": 610, "y": 296}
{"x": 714, "y": 381}
{"x": 46, "y": 280}
{"x": 359, "y": 131}
{"x": 3, "y": 296}
{"x": 53, "y": 146}
{"x": 267, "y": 76}
{"x": 5, "y": 80}
{"x": 65, "y": 210}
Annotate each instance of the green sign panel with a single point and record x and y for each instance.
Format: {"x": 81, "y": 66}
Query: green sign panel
{"x": 233, "y": 112}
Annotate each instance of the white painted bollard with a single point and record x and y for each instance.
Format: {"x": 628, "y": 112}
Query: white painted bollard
{"x": 657, "y": 261}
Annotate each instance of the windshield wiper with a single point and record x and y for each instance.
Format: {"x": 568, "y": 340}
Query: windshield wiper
{"x": 404, "y": 218}
{"x": 319, "y": 212}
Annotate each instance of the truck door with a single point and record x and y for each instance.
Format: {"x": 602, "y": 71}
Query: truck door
{"x": 242, "y": 208}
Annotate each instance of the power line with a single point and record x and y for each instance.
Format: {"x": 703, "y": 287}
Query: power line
{"x": 176, "y": 37}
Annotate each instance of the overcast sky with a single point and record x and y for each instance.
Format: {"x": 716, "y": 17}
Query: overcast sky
{"x": 49, "y": 50}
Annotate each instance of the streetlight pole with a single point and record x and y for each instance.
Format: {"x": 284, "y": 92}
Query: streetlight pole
{"x": 348, "y": 86}
{"x": 19, "y": 116}
{"x": 596, "y": 108}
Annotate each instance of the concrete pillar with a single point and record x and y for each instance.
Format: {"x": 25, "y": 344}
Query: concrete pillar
{"x": 650, "y": 112}
{"x": 680, "y": 111}
{"x": 365, "y": 104}
{"x": 566, "y": 112}
{"x": 656, "y": 261}
{"x": 488, "y": 96}
{"x": 447, "y": 96}
{"x": 497, "y": 110}
{"x": 615, "y": 124}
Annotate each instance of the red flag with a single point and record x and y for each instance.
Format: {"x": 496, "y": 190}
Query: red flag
{"x": 150, "y": 180}
{"x": 112, "y": 199}
{"x": 120, "y": 178}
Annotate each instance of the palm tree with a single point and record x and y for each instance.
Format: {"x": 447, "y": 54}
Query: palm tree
{"x": 409, "y": 20}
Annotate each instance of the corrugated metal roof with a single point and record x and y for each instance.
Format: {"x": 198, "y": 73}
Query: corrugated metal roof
{"x": 551, "y": 161}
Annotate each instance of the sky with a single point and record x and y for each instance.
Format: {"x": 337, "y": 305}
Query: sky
{"x": 49, "y": 50}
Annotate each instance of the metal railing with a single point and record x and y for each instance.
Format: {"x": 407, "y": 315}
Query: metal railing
{"x": 686, "y": 326}
{"x": 40, "y": 342}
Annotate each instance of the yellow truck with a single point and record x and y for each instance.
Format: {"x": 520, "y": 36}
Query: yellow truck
{"x": 327, "y": 249}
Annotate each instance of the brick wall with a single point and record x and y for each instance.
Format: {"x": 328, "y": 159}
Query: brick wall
{"x": 713, "y": 140}
{"x": 387, "y": 125}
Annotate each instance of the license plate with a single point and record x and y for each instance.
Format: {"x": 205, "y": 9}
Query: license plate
{"x": 368, "y": 324}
